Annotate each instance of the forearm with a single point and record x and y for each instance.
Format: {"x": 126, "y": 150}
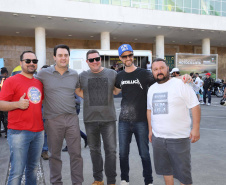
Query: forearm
{"x": 116, "y": 91}
{"x": 196, "y": 116}
{"x": 79, "y": 92}
{"x": 8, "y": 106}
{"x": 149, "y": 119}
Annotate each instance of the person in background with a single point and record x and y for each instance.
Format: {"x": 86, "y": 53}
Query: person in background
{"x": 207, "y": 87}
{"x": 45, "y": 148}
{"x": 148, "y": 65}
{"x": 3, "y": 114}
{"x": 198, "y": 85}
{"x": 175, "y": 72}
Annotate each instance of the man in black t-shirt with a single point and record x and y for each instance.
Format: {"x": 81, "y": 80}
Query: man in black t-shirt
{"x": 134, "y": 83}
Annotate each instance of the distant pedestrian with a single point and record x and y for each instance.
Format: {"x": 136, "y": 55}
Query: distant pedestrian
{"x": 207, "y": 88}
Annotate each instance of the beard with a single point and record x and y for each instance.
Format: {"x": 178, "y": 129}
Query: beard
{"x": 28, "y": 69}
{"x": 162, "y": 79}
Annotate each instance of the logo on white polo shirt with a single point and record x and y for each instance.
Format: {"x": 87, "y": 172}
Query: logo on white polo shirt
{"x": 34, "y": 95}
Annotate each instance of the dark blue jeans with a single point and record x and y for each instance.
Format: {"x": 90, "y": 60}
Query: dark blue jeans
{"x": 204, "y": 95}
{"x": 106, "y": 130}
{"x": 140, "y": 130}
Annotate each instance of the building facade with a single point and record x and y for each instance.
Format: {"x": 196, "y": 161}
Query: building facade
{"x": 165, "y": 27}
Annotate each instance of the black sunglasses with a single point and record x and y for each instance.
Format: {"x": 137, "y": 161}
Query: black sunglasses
{"x": 28, "y": 61}
{"x": 125, "y": 56}
{"x": 92, "y": 59}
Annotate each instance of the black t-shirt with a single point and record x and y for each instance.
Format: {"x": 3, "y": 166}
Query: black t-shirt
{"x": 134, "y": 88}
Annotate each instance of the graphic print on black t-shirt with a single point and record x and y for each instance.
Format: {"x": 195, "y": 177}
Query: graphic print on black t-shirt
{"x": 98, "y": 91}
{"x": 160, "y": 103}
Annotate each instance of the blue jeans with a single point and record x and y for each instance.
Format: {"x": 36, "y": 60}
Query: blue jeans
{"x": 45, "y": 144}
{"x": 25, "y": 151}
{"x": 204, "y": 96}
{"x": 107, "y": 130}
{"x": 140, "y": 130}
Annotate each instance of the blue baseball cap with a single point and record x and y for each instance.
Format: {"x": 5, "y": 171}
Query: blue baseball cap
{"x": 123, "y": 48}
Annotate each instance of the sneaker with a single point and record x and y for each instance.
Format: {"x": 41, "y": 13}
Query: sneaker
{"x": 45, "y": 155}
{"x": 208, "y": 103}
{"x": 203, "y": 103}
{"x": 123, "y": 182}
{"x": 65, "y": 149}
{"x": 5, "y": 135}
{"x": 150, "y": 184}
{"x": 98, "y": 183}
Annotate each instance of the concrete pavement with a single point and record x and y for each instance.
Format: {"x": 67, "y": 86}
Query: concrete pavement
{"x": 208, "y": 154}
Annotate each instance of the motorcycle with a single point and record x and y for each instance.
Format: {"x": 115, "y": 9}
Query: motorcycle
{"x": 218, "y": 88}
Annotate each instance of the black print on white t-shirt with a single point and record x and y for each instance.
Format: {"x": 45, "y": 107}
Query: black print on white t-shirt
{"x": 98, "y": 91}
{"x": 160, "y": 103}
{"x": 131, "y": 82}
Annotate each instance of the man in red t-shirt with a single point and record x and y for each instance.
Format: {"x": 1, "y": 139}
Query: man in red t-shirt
{"x": 22, "y": 96}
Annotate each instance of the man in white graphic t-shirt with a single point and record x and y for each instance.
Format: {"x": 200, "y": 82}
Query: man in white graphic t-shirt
{"x": 168, "y": 104}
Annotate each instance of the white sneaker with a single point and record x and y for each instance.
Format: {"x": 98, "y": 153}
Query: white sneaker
{"x": 150, "y": 184}
{"x": 208, "y": 103}
{"x": 123, "y": 182}
{"x": 202, "y": 103}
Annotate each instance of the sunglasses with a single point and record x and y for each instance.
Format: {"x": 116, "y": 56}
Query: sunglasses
{"x": 92, "y": 59}
{"x": 125, "y": 56}
{"x": 28, "y": 61}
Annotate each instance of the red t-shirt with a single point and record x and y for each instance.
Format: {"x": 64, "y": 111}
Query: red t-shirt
{"x": 28, "y": 119}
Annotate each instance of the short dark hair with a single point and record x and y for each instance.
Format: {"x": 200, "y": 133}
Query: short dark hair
{"x": 61, "y": 46}
{"x": 45, "y": 66}
{"x": 197, "y": 74}
{"x": 90, "y": 52}
{"x": 4, "y": 70}
{"x": 22, "y": 55}
{"x": 191, "y": 74}
{"x": 158, "y": 60}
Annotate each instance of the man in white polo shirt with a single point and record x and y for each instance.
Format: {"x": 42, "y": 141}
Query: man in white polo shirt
{"x": 168, "y": 104}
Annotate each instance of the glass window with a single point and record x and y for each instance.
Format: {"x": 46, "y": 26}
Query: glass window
{"x": 218, "y": 6}
{"x": 195, "y": 4}
{"x": 179, "y": 5}
{"x": 116, "y": 2}
{"x": 195, "y": 11}
{"x": 95, "y": 1}
{"x": 187, "y": 3}
{"x": 187, "y": 10}
{"x": 105, "y": 2}
{"x": 223, "y": 7}
{"x": 126, "y": 3}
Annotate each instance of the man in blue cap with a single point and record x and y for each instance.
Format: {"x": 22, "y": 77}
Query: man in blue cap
{"x": 134, "y": 83}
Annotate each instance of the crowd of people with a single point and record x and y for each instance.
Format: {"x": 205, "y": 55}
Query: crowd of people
{"x": 150, "y": 104}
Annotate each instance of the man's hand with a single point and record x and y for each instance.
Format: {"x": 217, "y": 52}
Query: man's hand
{"x": 186, "y": 78}
{"x": 150, "y": 136}
{"x": 23, "y": 103}
{"x": 194, "y": 135}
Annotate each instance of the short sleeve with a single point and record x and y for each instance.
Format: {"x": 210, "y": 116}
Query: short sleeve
{"x": 118, "y": 81}
{"x": 189, "y": 96}
{"x": 150, "y": 78}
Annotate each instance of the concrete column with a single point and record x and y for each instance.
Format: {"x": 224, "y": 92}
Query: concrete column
{"x": 105, "y": 40}
{"x": 206, "y": 46}
{"x": 160, "y": 46}
{"x": 40, "y": 46}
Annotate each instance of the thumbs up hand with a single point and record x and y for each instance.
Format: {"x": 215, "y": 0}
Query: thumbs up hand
{"x": 23, "y": 103}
